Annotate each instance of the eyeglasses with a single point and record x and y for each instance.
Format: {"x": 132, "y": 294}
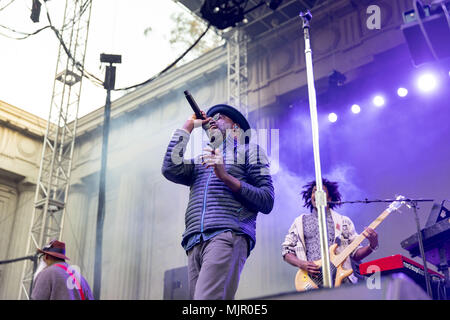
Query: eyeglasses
{"x": 217, "y": 116}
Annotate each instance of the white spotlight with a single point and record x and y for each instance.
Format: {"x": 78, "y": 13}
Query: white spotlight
{"x": 402, "y": 92}
{"x": 332, "y": 117}
{"x": 356, "y": 109}
{"x": 378, "y": 101}
{"x": 427, "y": 82}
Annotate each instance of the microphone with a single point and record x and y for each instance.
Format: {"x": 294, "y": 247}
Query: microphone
{"x": 198, "y": 114}
{"x": 194, "y": 105}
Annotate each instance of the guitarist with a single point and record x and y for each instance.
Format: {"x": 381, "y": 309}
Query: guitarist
{"x": 302, "y": 244}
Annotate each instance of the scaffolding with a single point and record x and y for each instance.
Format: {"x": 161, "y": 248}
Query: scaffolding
{"x": 52, "y": 186}
{"x": 237, "y": 75}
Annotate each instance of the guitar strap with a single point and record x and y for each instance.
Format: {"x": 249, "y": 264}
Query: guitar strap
{"x": 74, "y": 278}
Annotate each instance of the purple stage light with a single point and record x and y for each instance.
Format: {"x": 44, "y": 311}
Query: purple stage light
{"x": 378, "y": 101}
{"x": 332, "y": 117}
{"x": 427, "y": 82}
{"x": 402, "y": 92}
{"x": 356, "y": 109}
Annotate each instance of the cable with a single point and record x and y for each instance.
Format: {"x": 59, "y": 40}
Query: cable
{"x": 27, "y": 35}
{"x": 95, "y": 80}
{"x": 77, "y": 64}
{"x": 169, "y": 66}
{"x": 5, "y": 6}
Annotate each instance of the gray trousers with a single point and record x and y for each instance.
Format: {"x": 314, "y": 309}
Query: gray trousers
{"x": 214, "y": 267}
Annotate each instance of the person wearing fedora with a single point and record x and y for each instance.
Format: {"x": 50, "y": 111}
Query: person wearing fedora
{"x": 58, "y": 280}
{"x": 229, "y": 184}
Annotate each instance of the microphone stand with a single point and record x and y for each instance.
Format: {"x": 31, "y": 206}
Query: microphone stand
{"x": 321, "y": 199}
{"x": 33, "y": 258}
{"x": 410, "y": 203}
{"x": 413, "y": 204}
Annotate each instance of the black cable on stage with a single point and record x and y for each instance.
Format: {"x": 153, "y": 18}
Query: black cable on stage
{"x": 169, "y": 66}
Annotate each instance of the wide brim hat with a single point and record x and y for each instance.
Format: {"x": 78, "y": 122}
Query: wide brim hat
{"x": 230, "y": 112}
{"x": 55, "y": 249}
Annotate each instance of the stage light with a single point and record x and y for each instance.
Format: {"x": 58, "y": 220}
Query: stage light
{"x": 426, "y": 31}
{"x": 356, "y": 109}
{"x": 332, "y": 117}
{"x": 273, "y": 4}
{"x": 378, "y": 101}
{"x": 35, "y": 10}
{"x": 336, "y": 79}
{"x": 427, "y": 82}
{"x": 222, "y": 13}
{"x": 402, "y": 92}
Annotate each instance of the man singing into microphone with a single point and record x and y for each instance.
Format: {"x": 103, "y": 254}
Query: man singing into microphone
{"x": 229, "y": 184}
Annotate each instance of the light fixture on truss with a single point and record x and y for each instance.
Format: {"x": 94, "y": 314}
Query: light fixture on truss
{"x": 228, "y": 13}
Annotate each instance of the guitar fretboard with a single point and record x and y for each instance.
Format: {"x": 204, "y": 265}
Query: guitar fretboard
{"x": 360, "y": 238}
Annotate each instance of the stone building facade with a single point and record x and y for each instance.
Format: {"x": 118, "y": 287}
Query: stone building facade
{"x": 144, "y": 212}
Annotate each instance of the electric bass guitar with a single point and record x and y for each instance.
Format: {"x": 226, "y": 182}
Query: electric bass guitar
{"x": 303, "y": 281}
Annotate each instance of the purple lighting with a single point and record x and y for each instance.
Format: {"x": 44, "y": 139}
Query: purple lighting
{"x": 378, "y": 101}
{"x": 356, "y": 109}
{"x": 332, "y": 117}
{"x": 427, "y": 82}
{"x": 402, "y": 92}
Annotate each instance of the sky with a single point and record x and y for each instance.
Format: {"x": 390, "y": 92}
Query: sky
{"x": 27, "y": 67}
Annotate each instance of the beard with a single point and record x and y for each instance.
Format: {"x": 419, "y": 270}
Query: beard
{"x": 215, "y": 136}
{"x": 40, "y": 267}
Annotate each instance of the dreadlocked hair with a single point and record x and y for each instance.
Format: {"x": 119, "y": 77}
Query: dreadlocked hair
{"x": 333, "y": 193}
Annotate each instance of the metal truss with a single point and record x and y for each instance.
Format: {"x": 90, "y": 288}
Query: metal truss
{"x": 237, "y": 70}
{"x": 56, "y": 162}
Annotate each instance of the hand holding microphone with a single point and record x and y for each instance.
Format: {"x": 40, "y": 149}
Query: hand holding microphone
{"x": 198, "y": 118}
{"x": 194, "y": 122}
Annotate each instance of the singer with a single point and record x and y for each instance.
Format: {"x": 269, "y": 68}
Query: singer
{"x": 229, "y": 184}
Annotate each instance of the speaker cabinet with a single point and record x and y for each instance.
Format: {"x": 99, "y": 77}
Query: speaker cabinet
{"x": 176, "y": 285}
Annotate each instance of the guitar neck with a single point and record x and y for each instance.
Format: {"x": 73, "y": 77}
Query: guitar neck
{"x": 360, "y": 238}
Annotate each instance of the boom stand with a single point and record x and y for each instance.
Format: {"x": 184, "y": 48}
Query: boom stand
{"x": 321, "y": 199}
{"x": 413, "y": 204}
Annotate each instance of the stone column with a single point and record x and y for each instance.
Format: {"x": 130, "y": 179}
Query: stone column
{"x": 122, "y": 238}
{"x": 19, "y": 227}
